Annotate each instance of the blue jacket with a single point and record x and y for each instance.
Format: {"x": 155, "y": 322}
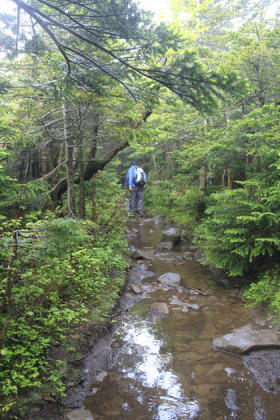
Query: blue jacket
{"x": 130, "y": 175}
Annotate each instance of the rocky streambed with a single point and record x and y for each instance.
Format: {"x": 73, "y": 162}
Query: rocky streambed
{"x": 183, "y": 345}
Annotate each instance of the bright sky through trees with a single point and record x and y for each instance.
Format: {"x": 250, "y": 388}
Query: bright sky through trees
{"x": 156, "y": 6}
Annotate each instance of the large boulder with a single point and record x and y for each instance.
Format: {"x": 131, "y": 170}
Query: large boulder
{"x": 246, "y": 339}
{"x": 171, "y": 235}
{"x": 169, "y": 279}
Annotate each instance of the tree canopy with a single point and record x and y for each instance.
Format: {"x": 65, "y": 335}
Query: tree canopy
{"x": 118, "y": 39}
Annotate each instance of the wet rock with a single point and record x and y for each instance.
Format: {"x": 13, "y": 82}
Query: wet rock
{"x": 148, "y": 288}
{"x": 135, "y": 254}
{"x": 231, "y": 400}
{"x": 193, "y": 247}
{"x": 188, "y": 256}
{"x": 175, "y": 301}
{"x": 157, "y": 312}
{"x": 80, "y": 414}
{"x": 101, "y": 376}
{"x": 184, "y": 306}
{"x": 247, "y": 338}
{"x": 160, "y": 308}
{"x": 172, "y": 235}
{"x": 128, "y": 296}
{"x": 165, "y": 246}
{"x": 136, "y": 289}
{"x": 192, "y": 292}
{"x": 154, "y": 317}
{"x": 147, "y": 255}
{"x": 265, "y": 366}
{"x": 258, "y": 317}
{"x": 193, "y": 306}
{"x": 159, "y": 220}
{"x": 168, "y": 279}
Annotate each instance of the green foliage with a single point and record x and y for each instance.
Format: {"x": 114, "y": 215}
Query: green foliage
{"x": 241, "y": 226}
{"x": 266, "y": 292}
{"x": 189, "y": 207}
{"x": 65, "y": 271}
{"x": 159, "y": 198}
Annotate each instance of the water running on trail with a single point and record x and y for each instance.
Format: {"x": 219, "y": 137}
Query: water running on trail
{"x": 162, "y": 367}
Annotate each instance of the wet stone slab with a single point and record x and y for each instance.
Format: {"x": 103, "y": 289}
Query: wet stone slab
{"x": 169, "y": 279}
{"x": 246, "y": 339}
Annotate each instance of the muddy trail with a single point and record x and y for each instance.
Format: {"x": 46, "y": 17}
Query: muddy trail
{"x": 158, "y": 362}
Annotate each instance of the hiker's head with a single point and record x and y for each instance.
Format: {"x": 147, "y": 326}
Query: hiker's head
{"x": 134, "y": 163}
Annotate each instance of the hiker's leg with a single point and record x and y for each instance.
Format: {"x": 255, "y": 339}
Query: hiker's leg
{"x": 132, "y": 200}
{"x": 140, "y": 204}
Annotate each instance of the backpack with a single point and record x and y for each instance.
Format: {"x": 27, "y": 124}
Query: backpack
{"x": 139, "y": 177}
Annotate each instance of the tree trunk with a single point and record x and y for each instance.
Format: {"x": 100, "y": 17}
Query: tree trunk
{"x": 82, "y": 207}
{"x": 202, "y": 178}
{"x": 44, "y": 163}
{"x": 155, "y": 165}
{"x": 69, "y": 149}
{"x": 94, "y": 198}
{"x": 223, "y": 179}
{"x": 230, "y": 181}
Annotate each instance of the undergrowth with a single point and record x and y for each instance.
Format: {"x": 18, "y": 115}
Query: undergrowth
{"x": 56, "y": 275}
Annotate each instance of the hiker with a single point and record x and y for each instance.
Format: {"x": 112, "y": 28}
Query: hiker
{"x": 136, "y": 179}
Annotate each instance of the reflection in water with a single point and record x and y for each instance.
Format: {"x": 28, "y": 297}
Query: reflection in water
{"x": 154, "y": 371}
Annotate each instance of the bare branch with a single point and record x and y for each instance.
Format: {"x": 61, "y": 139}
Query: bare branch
{"x": 54, "y": 170}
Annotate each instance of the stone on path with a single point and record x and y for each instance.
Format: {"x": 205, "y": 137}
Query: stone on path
{"x": 245, "y": 339}
{"x": 160, "y": 308}
{"x": 147, "y": 255}
{"x": 169, "y": 279}
{"x": 136, "y": 289}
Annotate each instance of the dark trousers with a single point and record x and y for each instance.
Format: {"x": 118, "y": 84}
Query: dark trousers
{"x": 136, "y": 201}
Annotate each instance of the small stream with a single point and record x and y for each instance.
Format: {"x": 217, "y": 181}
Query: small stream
{"x": 163, "y": 368}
